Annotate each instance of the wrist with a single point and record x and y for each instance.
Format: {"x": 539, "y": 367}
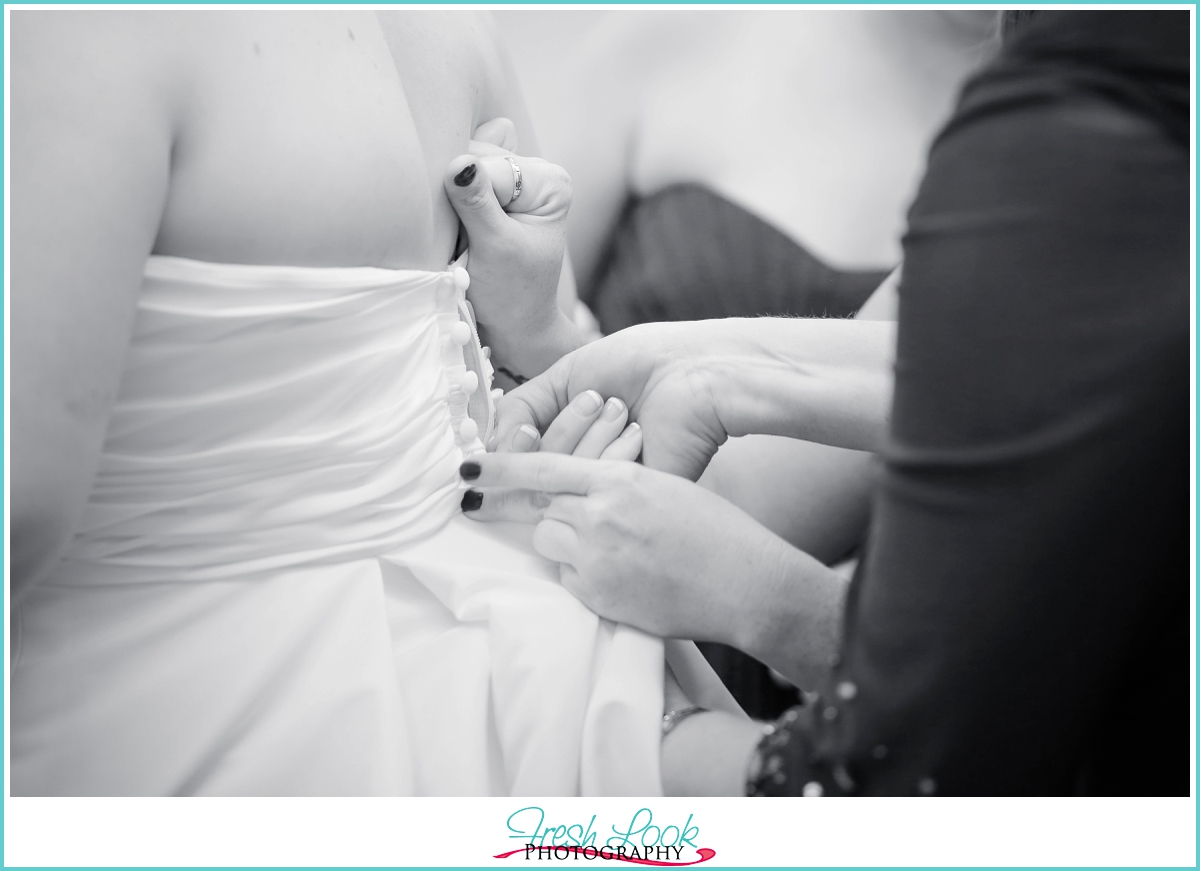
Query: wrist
{"x": 709, "y": 754}
{"x": 792, "y": 618}
{"x": 528, "y": 352}
{"x": 767, "y": 609}
{"x": 821, "y": 380}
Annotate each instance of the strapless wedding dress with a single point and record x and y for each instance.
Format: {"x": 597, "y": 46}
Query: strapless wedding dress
{"x": 272, "y": 590}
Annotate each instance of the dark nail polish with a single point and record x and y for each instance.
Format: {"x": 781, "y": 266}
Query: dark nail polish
{"x": 469, "y": 471}
{"x": 472, "y": 499}
{"x": 466, "y": 176}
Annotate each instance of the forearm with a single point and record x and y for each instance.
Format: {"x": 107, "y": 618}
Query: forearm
{"x": 529, "y": 355}
{"x": 744, "y": 586}
{"x": 815, "y": 497}
{"x": 568, "y": 292}
{"x": 819, "y": 379}
{"x": 795, "y": 626}
{"x": 791, "y": 613}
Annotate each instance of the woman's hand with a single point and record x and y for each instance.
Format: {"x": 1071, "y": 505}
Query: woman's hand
{"x": 692, "y": 385}
{"x": 659, "y": 553}
{"x": 516, "y": 249}
{"x": 589, "y": 428}
{"x": 639, "y": 546}
{"x": 658, "y": 370}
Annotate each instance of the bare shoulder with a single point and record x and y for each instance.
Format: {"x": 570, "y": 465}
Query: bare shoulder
{"x": 106, "y": 59}
{"x": 87, "y": 87}
{"x": 91, "y": 108}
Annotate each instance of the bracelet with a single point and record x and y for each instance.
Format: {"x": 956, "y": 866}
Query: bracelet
{"x": 513, "y": 376}
{"x": 671, "y": 719}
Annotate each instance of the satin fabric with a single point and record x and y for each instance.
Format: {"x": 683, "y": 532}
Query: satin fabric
{"x": 272, "y": 590}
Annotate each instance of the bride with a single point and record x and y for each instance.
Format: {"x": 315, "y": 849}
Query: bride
{"x": 244, "y": 376}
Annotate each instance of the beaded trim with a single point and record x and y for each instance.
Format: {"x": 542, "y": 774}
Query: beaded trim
{"x": 767, "y": 772}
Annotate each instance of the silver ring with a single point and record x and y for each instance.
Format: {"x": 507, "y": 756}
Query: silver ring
{"x": 516, "y": 168}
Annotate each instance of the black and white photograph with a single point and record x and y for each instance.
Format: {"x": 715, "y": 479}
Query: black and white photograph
{"x": 601, "y": 402}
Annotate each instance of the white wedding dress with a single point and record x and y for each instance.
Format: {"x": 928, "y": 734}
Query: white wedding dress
{"x": 272, "y": 590}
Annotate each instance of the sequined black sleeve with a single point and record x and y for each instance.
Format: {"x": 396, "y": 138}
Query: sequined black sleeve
{"x": 1027, "y": 572}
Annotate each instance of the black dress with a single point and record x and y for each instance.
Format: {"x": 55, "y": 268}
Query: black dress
{"x": 1020, "y": 621}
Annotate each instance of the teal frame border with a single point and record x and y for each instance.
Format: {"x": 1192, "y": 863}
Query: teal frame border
{"x": 613, "y": 4}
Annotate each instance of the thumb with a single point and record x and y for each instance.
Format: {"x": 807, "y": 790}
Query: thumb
{"x": 500, "y": 132}
{"x": 682, "y": 453}
{"x": 516, "y": 420}
{"x": 535, "y": 404}
{"x": 469, "y": 189}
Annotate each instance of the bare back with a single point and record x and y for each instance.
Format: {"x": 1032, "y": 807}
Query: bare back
{"x": 299, "y": 138}
{"x": 320, "y": 138}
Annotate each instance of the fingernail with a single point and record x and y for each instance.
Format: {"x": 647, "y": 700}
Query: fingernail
{"x": 631, "y": 430}
{"x": 613, "y": 409}
{"x": 465, "y": 176}
{"x": 471, "y": 500}
{"x": 469, "y": 471}
{"x": 525, "y": 438}
{"x": 588, "y": 402}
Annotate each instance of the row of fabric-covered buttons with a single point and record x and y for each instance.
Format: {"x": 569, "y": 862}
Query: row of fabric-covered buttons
{"x": 461, "y": 334}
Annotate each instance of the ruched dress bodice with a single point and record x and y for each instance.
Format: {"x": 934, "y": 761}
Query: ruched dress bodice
{"x": 277, "y": 416}
{"x": 272, "y": 589}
